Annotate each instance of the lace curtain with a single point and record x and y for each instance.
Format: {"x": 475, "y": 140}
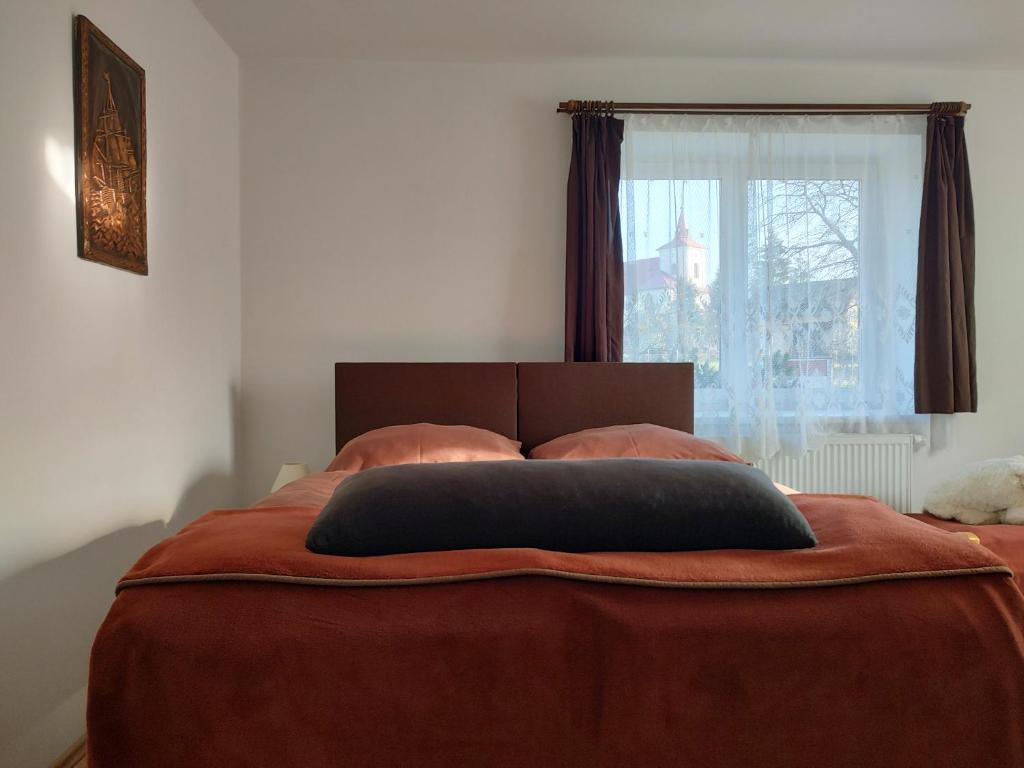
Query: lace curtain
{"x": 779, "y": 254}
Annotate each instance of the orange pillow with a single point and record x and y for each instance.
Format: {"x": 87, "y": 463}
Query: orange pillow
{"x": 646, "y": 441}
{"x": 423, "y": 444}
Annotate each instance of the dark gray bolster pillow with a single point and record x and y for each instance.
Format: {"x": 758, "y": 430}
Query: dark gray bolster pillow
{"x": 628, "y": 505}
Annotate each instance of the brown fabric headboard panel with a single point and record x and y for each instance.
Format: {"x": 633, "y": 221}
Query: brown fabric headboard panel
{"x": 372, "y": 395}
{"x": 558, "y": 398}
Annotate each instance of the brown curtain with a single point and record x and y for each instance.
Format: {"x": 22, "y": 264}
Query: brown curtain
{"x": 945, "y": 377}
{"x": 593, "y": 242}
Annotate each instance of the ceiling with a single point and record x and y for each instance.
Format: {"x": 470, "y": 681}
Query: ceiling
{"x": 964, "y": 32}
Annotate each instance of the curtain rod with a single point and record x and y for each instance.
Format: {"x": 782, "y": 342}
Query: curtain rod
{"x": 958, "y": 108}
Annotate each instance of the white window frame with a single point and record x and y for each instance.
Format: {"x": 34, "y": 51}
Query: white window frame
{"x": 733, "y": 207}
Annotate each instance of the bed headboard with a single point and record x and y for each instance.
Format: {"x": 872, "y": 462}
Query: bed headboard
{"x": 372, "y": 395}
{"x": 559, "y": 398}
{"x": 531, "y": 402}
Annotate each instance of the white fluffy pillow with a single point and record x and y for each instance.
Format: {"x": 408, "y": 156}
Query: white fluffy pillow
{"x": 979, "y": 494}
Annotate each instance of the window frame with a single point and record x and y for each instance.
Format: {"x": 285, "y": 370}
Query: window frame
{"x": 712, "y": 403}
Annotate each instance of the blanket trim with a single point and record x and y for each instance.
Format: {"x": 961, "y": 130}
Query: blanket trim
{"x": 322, "y": 581}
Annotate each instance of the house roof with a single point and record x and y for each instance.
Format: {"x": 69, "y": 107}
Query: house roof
{"x": 815, "y": 296}
{"x": 647, "y": 275}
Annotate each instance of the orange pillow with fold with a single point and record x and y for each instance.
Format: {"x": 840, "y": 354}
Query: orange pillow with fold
{"x": 423, "y": 444}
{"x": 645, "y": 441}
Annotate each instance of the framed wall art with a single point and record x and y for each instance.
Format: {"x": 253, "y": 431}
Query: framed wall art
{"x": 110, "y": 151}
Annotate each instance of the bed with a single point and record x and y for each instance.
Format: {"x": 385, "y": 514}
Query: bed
{"x": 891, "y": 643}
{"x": 1006, "y": 541}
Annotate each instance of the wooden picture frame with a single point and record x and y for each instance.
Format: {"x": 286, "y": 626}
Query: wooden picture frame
{"x": 110, "y": 151}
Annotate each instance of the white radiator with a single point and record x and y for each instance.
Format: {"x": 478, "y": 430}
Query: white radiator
{"x": 876, "y": 465}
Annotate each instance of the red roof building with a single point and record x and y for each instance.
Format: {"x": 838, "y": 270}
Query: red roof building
{"x": 647, "y": 275}
{"x": 681, "y": 257}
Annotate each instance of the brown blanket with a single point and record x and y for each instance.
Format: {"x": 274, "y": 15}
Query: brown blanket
{"x": 891, "y": 643}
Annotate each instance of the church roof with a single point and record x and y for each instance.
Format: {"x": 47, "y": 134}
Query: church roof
{"x": 682, "y": 236}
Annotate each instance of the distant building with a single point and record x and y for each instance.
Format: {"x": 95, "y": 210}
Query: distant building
{"x": 685, "y": 257}
{"x": 659, "y": 323}
{"x": 814, "y": 324}
{"x": 680, "y": 261}
{"x": 644, "y": 275}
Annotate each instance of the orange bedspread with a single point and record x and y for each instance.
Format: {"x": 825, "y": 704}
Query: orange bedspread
{"x": 230, "y": 644}
{"x": 1006, "y": 541}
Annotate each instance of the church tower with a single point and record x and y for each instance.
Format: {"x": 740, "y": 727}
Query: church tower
{"x": 685, "y": 258}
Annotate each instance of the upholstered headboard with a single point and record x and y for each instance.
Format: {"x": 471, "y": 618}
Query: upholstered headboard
{"x": 531, "y": 402}
{"x": 559, "y": 398}
{"x": 372, "y": 395}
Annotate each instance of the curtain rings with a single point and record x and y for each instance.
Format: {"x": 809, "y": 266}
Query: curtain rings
{"x": 950, "y": 108}
{"x": 591, "y": 107}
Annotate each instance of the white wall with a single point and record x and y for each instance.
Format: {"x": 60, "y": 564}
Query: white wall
{"x": 411, "y": 211}
{"x": 117, "y": 392}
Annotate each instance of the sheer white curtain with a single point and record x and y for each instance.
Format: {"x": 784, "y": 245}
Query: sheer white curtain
{"x": 779, "y": 254}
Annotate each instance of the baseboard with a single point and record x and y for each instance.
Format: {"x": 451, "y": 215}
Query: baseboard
{"x": 74, "y": 757}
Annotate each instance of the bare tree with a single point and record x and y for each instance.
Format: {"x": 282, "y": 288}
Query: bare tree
{"x": 808, "y": 229}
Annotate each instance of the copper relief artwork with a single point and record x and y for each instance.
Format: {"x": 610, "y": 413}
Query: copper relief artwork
{"x": 110, "y": 113}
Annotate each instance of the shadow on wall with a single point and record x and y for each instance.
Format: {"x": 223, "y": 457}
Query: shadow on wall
{"x": 51, "y": 611}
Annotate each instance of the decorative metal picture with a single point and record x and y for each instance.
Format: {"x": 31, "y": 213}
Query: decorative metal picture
{"x": 110, "y": 151}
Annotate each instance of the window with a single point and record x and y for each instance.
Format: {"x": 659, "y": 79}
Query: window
{"x": 778, "y": 254}
{"x": 804, "y": 244}
{"x": 670, "y": 313}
